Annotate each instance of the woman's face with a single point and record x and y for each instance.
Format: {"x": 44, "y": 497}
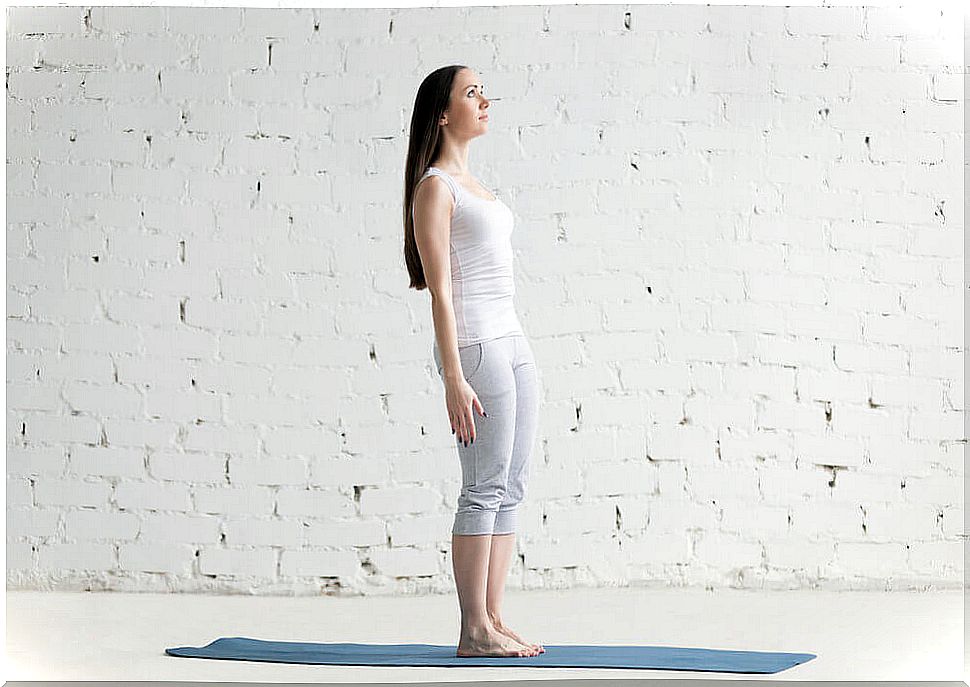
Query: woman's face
{"x": 468, "y": 104}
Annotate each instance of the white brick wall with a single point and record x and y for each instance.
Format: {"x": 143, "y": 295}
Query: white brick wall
{"x": 739, "y": 254}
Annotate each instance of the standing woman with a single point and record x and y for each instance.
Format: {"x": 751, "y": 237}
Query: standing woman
{"x": 457, "y": 244}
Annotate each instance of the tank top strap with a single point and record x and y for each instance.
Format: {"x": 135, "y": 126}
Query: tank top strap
{"x": 452, "y": 184}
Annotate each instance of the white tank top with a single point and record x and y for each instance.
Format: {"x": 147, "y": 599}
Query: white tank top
{"x": 482, "y": 283}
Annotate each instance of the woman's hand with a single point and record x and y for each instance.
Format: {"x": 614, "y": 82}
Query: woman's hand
{"x": 461, "y": 399}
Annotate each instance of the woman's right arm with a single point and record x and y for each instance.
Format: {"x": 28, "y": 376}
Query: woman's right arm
{"x": 433, "y": 205}
{"x": 432, "y": 228}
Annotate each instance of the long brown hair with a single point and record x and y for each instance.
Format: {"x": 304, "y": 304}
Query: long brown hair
{"x": 432, "y": 100}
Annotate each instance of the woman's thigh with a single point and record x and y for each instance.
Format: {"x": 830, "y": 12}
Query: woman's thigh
{"x": 488, "y": 368}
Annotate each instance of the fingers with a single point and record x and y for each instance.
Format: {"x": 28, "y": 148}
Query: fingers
{"x": 463, "y": 424}
{"x": 467, "y": 432}
{"x": 458, "y": 427}
{"x": 465, "y": 429}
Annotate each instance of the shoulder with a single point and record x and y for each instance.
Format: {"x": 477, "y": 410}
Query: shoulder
{"x": 434, "y": 192}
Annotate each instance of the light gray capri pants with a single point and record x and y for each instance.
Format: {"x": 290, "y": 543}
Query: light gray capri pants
{"x": 495, "y": 467}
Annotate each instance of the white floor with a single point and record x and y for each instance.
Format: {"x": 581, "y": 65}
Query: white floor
{"x": 856, "y": 635}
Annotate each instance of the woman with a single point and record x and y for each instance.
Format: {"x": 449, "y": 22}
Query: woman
{"x": 457, "y": 244}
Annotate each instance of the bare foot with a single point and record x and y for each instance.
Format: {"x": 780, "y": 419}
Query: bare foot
{"x": 508, "y": 633}
{"x": 491, "y": 642}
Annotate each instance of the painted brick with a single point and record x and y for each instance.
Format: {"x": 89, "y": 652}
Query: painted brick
{"x": 738, "y": 257}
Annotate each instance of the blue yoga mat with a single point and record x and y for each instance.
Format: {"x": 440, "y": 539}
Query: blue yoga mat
{"x": 556, "y": 656}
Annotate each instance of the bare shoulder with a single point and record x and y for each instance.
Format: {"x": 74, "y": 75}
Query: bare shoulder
{"x": 432, "y": 193}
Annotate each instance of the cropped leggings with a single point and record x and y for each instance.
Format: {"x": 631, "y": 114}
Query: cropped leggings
{"x": 495, "y": 467}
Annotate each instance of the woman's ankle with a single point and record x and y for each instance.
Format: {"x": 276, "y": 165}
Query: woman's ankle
{"x": 476, "y": 627}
